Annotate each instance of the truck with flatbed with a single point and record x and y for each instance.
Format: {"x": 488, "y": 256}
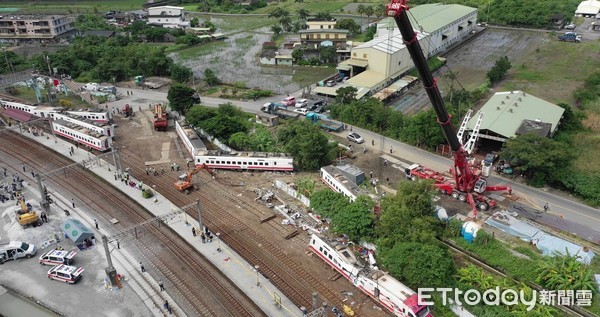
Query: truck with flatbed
{"x": 279, "y": 110}
{"x": 325, "y": 122}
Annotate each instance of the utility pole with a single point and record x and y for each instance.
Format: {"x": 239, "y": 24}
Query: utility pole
{"x": 199, "y": 207}
{"x": 49, "y": 80}
{"x": 111, "y": 272}
{"x": 43, "y": 191}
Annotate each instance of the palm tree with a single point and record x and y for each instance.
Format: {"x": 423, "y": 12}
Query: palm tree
{"x": 361, "y": 10}
{"x": 565, "y": 272}
{"x": 303, "y": 14}
{"x": 369, "y": 11}
{"x": 380, "y": 10}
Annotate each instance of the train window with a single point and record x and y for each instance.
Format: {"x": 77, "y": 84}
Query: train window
{"x": 239, "y": 163}
{"x": 321, "y": 249}
{"x": 260, "y": 163}
{"x": 325, "y": 252}
{"x": 228, "y": 162}
{"x": 331, "y": 258}
{"x": 274, "y": 163}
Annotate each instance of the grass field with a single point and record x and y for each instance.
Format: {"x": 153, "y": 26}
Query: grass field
{"x": 228, "y": 24}
{"x": 79, "y": 6}
{"x": 552, "y": 73}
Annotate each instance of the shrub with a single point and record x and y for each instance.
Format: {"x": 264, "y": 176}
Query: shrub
{"x": 147, "y": 193}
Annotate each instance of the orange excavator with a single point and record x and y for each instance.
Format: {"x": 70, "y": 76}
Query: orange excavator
{"x": 184, "y": 183}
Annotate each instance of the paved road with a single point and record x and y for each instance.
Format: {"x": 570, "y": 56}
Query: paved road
{"x": 566, "y": 213}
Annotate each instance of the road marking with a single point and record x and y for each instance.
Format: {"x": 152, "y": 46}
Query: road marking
{"x": 567, "y": 209}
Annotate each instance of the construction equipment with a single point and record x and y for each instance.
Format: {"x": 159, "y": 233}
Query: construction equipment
{"x": 467, "y": 184}
{"x": 26, "y": 216}
{"x": 128, "y": 111}
{"x": 160, "y": 118}
{"x": 184, "y": 183}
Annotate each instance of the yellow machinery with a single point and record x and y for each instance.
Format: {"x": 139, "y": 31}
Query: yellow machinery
{"x": 184, "y": 184}
{"x": 26, "y": 217}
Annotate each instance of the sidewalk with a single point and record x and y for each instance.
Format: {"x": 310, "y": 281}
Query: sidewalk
{"x": 230, "y": 263}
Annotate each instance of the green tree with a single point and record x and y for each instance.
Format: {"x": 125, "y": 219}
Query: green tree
{"x": 211, "y": 78}
{"x": 228, "y": 121}
{"x": 348, "y": 24}
{"x": 297, "y": 55}
{"x": 369, "y": 11}
{"x": 562, "y": 272}
{"x": 278, "y": 13}
{"x": 537, "y": 156}
{"x": 303, "y": 14}
{"x": 197, "y": 114}
{"x": 370, "y": 33}
{"x": 188, "y": 39}
{"x": 194, "y": 22}
{"x": 327, "y": 54}
{"x": 305, "y": 186}
{"x": 308, "y": 146}
{"x": 180, "y": 73}
{"x": 324, "y": 15}
{"x": 346, "y": 95}
{"x": 180, "y": 97}
{"x": 423, "y": 129}
{"x": 499, "y": 70}
{"x": 286, "y": 23}
{"x": 420, "y": 265}
{"x": 380, "y": 10}
{"x": 241, "y": 141}
{"x": 276, "y": 29}
{"x": 356, "y": 220}
{"x": 328, "y": 203}
{"x": 408, "y": 215}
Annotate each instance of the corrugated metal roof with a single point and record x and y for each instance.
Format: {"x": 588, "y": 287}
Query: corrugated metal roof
{"x": 389, "y": 44}
{"x": 435, "y": 16}
{"x": 505, "y": 111}
{"x": 367, "y": 79}
{"x": 427, "y": 18}
{"x": 356, "y": 62}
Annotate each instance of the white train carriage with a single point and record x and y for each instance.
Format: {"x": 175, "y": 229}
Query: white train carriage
{"x": 245, "y": 160}
{"x": 98, "y": 127}
{"x": 338, "y": 182}
{"x": 82, "y": 135}
{"x": 379, "y": 285}
{"x": 97, "y": 115}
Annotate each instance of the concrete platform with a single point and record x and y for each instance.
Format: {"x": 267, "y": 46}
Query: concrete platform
{"x": 238, "y": 270}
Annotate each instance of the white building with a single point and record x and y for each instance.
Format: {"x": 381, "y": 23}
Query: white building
{"x": 385, "y": 59}
{"x": 589, "y": 8}
{"x": 168, "y": 17}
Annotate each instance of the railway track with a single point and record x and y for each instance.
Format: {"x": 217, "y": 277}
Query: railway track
{"x": 285, "y": 273}
{"x": 570, "y": 311}
{"x": 201, "y": 286}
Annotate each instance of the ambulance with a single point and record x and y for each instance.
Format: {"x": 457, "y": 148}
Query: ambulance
{"x": 57, "y": 257}
{"x": 65, "y": 273}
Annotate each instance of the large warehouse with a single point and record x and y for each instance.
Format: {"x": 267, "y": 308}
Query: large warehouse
{"x": 384, "y": 60}
{"x": 511, "y": 113}
{"x": 589, "y": 8}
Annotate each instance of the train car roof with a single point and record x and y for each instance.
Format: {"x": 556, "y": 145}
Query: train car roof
{"x": 80, "y": 129}
{"x": 341, "y": 249}
{"x": 245, "y": 154}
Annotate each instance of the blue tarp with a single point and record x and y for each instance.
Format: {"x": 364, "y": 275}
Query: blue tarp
{"x": 547, "y": 243}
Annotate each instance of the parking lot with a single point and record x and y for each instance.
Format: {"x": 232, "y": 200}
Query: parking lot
{"x": 90, "y": 296}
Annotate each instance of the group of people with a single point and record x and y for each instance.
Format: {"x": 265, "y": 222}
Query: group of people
{"x": 11, "y": 191}
{"x": 154, "y": 171}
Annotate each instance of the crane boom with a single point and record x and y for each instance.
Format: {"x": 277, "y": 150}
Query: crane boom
{"x": 463, "y": 175}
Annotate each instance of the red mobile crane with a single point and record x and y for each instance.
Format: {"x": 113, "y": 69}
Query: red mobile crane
{"x": 467, "y": 185}
{"x": 160, "y": 118}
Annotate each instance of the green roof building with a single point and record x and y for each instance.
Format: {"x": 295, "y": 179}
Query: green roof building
{"x": 508, "y": 114}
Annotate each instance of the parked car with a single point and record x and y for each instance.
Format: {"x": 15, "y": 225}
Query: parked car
{"x": 65, "y": 273}
{"x": 16, "y": 249}
{"x": 330, "y": 83}
{"x": 570, "y": 27}
{"x": 300, "y": 103}
{"x": 319, "y": 109}
{"x": 289, "y": 101}
{"x": 355, "y": 137}
{"x": 57, "y": 257}
{"x": 302, "y": 111}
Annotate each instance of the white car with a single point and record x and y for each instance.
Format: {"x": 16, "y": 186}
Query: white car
{"x": 355, "y": 137}
{"x": 65, "y": 273}
{"x": 57, "y": 257}
{"x": 302, "y": 111}
{"x": 301, "y": 103}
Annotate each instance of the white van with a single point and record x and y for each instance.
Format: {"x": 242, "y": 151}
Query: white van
{"x": 16, "y": 249}
{"x": 57, "y": 257}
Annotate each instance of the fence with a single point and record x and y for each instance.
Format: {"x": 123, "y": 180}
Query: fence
{"x": 292, "y": 192}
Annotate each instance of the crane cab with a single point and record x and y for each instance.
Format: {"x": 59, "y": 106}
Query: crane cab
{"x": 480, "y": 186}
